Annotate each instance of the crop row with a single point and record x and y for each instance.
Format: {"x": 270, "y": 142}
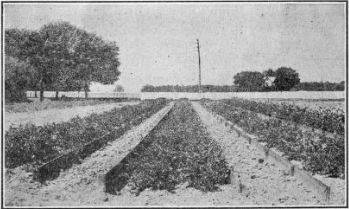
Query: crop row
{"x": 326, "y": 119}
{"x": 317, "y": 152}
{"x": 36, "y": 145}
{"x": 177, "y": 151}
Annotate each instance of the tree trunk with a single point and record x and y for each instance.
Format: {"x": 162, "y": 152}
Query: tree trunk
{"x": 86, "y": 94}
{"x": 41, "y": 90}
{"x": 57, "y": 94}
{"x": 85, "y": 89}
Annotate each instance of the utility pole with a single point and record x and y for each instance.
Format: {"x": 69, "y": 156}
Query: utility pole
{"x": 198, "y": 45}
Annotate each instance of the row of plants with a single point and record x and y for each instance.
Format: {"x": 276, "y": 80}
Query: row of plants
{"x": 326, "y": 119}
{"x": 317, "y": 152}
{"x": 36, "y": 145}
{"x": 177, "y": 151}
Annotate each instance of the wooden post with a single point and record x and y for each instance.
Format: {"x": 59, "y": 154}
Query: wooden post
{"x": 41, "y": 90}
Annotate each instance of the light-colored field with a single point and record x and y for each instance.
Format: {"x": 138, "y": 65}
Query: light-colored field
{"x": 313, "y": 104}
{"x": 57, "y": 115}
{"x": 36, "y": 105}
{"x": 248, "y": 95}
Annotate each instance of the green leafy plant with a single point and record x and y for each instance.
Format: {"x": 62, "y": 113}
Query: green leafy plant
{"x": 318, "y": 152}
{"x": 177, "y": 151}
{"x": 40, "y": 144}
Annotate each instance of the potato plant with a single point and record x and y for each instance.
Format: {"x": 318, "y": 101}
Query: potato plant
{"x": 177, "y": 151}
{"x": 39, "y": 144}
{"x": 326, "y": 119}
{"x": 319, "y": 153}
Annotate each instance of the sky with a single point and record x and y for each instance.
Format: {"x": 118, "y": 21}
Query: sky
{"x": 157, "y": 41}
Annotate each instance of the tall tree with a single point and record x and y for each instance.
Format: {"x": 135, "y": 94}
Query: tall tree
{"x": 64, "y": 56}
{"x": 18, "y": 78}
{"x": 59, "y": 38}
{"x": 249, "y": 81}
{"x": 285, "y": 79}
{"x": 16, "y": 41}
{"x": 95, "y": 60}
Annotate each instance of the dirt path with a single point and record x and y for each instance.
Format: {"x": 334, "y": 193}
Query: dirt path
{"x": 80, "y": 185}
{"x": 264, "y": 183}
{"x": 57, "y": 115}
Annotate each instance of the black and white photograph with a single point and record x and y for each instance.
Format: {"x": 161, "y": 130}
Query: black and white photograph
{"x": 174, "y": 104}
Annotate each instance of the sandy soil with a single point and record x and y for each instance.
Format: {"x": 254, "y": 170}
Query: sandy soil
{"x": 57, "y": 115}
{"x": 80, "y": 185}
{"x": 264, "y": 183}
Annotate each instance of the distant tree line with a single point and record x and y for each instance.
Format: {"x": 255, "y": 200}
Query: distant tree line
{"x": 281, "y": 79}
{"x": 57, "y": 57}
{"x": 188, "y": 88}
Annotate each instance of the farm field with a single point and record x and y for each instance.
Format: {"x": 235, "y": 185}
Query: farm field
{"x": 324, "y": 155}
{"x": 118, "y": 104}
{"x": 188, "y": 158}
{"x": 310, "y": 103}
{"x": 56, "y": 115}
{"x": 36, "y": 105}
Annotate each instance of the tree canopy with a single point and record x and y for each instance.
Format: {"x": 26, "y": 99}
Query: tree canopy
{"x": 18, "y": 77}
{"x": 64, "y": 56}
{"x": 285, "y": 79}
{"x": 249, "y": 81}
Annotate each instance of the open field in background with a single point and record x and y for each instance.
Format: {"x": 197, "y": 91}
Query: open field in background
{"x": 248, "y": 95}
{"x": 55, "y": 115}
{"x": 36, "y": 105}
{"x": 81, "y": 94}
{"x": 310, "y": 103}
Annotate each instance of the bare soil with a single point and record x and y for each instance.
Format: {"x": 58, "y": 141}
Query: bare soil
{"x": 57, "y": 115}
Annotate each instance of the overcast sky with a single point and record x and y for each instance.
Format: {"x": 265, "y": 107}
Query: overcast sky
{"x": 157, "y": 41}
